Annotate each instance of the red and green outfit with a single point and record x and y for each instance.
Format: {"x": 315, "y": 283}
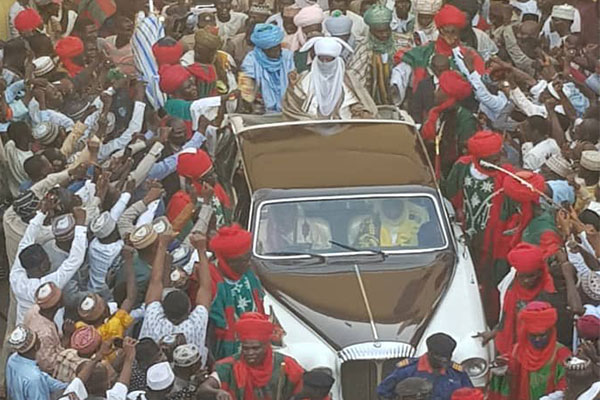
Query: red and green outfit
{"x": 244, "y": 382}
{"x": 542, "y": 231}
{"x": 233, "y": 295}
{"x": 532, "y": 371}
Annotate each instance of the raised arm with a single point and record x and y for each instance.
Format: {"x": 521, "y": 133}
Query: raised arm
{"x": 155, "y": 287}
{"x": 204, "y": 294}
{"x": 128, "y": 253}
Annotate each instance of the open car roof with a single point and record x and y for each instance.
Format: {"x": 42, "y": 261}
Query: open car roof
{"x": 279, "y": 154}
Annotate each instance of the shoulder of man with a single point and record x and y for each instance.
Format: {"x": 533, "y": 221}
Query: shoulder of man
{"x": 407, "y": 362}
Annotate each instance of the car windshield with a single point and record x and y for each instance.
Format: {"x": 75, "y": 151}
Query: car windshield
{"x": 387, "y": 223}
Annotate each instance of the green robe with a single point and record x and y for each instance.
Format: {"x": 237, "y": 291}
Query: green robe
{"x": 231, "y": 300}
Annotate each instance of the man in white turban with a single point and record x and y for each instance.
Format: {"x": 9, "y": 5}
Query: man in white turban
{"x": 326, "y": 91}
{"x": 340, "y": 26}
{"x": 425, "y": 29}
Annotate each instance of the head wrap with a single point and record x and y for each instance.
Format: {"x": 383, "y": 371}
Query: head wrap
{"x": 167, "y": 54}
{"x": 441, "y": 344}
{"x": 22, "y": 339}
{"x": 310, "y": 15}
{"x": 266, "y": 36}
{"x": 430, "y": 7}
{"x": 454, "y": 85}
{"x": 63, "y": 227}
{"x": 559, "y": 165}
{"x": 177, "y": 203}
{"x": 144, "y": 236}
{"x": 42, "y": 66}
{"x": 26, "y": 205}
{"x": 172, "y": 77}
{"x": 524, "y": 195}
{"x": 103, "y": 225}
{"x": 68, "y": 47}
{"x": 27, "y": 20}
{"x": 86, "y": 340}
{"x": 186, "y": 355}
{"x": 207, "y": 39}
{"x": 467, "y": 394}
{"x": 588, "y": 327}
{"x": 160, "y": 376}
{"x": 231, "y": 242}
{"x": 590, "y": 160}
{"x": 456, "y": 89}
{"x": 45, "y": 133}
{"x": 563, "y": 11}
{"x": 450, "y": 15}
{"x": 378, "y": 15}
{"x": 484, "y": 144}
{"x": 193, "y": 164}
{"x": 48, "y": 295}
{"x": 526, "y": 258}
{"x": 536, "y": 318}
{"x": 307, "y": 16}
{"x": 254, "y": 326}
{"x": 338, "y": 24}
{"x": 91, "y": 308}
{"x": 562, "y": 192}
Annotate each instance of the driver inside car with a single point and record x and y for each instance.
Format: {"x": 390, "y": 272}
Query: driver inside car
{"x": 286, "y": 230}
{"x": 394, "y": 223}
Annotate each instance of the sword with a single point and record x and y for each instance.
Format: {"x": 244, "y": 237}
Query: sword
{"x": 279, "y": 395}
{"x": 523, "y": 182}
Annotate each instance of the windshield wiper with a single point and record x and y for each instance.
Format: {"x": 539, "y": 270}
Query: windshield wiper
{"x": 319, "y": 257}
{"x": 381, "y": 253}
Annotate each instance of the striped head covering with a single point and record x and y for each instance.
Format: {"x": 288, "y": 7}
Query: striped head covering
{"x": 25, "y": 205}
{"x": 63, "y": 227}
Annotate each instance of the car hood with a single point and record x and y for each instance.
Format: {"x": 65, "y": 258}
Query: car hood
{"x": 403, "y": 293}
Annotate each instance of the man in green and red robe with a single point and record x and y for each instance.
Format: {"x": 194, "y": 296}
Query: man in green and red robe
{"x": 206, "y": 44}
{"x": 536, "y": 361}
{"x": 236, "y": 289}
{"x": 414, "y": 64}
{"x": 532, "y": 282}
{"x": 448, "y": 125}
{"x": 476, "y": 194}
{"x": 256, "y": 372}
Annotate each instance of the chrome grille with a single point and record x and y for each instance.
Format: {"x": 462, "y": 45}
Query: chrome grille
{"x": 365, "y": 365}
{"x": 376, "y": 351}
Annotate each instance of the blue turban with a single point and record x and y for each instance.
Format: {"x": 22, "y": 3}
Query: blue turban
{"x": 266, "y": 36}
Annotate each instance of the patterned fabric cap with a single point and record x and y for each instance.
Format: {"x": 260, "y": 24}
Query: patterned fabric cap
{"x": 143, "y": 237}
{"x": 559, "y": 165}
{"x": 103, "y": 225}
{"x": 186, "y": 355}
{"x": 590, "y": 160}
{"x": 45, "y": 132}
{"x": 590, "y": 283}
{"x": 63, "y": 227}
{"x": 22, "y": 339}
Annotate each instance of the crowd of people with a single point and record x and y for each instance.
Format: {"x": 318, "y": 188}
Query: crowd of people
{"x": 129, "y": 274}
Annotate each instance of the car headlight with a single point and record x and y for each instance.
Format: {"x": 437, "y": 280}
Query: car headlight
{"x": 474, "y": 367}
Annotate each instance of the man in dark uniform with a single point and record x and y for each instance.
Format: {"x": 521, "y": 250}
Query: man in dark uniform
{"x": 436, "y": 366}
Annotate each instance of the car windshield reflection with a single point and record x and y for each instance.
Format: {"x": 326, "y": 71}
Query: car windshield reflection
{"x": 386, "y": 223}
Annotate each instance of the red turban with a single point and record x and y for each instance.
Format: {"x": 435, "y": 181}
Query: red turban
{"x": 176, "y": 205}
{"x": 520, "y": 192}
{"x": 454, "y": 85}
{"x": 484, "y": 144}
{"x": 588, "y": 327}
{"x": 172, "y": 77}
{"x": 254, "y": 326}
{"x": 231, "y": 242}
{"x": 526, "y": 257}
{"x": 450, "y": 15}
{"x": 69, "y": 47}
{"x": 467, "y": 394}
{"x": 166, "y": 55}
{"x": 193, "y": 164}
{"x": 28, "y": 20}
{"x": 536, "y": 318}
{"x": 86, "y": 340}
